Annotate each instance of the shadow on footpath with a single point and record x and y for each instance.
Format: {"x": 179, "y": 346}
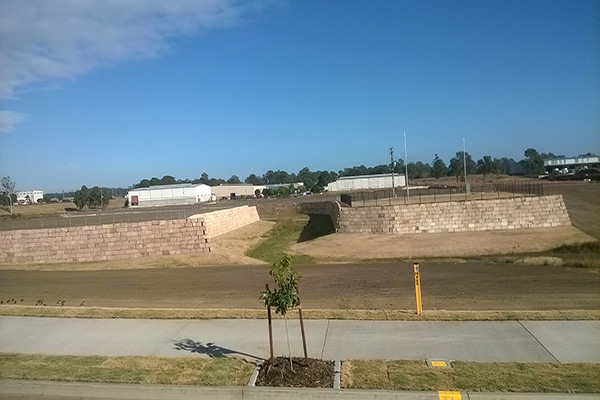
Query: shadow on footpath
{"x": 209, "y": 349}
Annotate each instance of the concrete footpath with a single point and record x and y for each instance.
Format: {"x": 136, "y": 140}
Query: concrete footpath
{"x": 501, "y": 341}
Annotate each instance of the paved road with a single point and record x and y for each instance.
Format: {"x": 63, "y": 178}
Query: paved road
{"x": 525, "y": 341}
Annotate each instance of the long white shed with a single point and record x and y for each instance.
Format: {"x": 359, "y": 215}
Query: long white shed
{"x": 365, "y": 182}
{"x": 163, "y": 195}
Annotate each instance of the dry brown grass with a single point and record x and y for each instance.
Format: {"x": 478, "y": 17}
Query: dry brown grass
{"x": 364, "y": 247}
{"x": 471, "y": 376}
{"x": 147, "y": 370}
{"x": 45, "y": 210}
{"x": 322, "y": 314}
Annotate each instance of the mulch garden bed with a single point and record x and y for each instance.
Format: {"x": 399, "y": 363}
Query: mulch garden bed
{"x": 315, "y": 374}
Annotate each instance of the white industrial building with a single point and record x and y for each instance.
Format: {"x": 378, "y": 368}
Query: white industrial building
{"x": 566, "y": 165}
{"x": 366, "y": 182}
{"x": 29, "y": 196}
{"x": 163, "y": 195}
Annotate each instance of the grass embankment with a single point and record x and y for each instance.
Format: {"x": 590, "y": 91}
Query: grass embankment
{"x": 581, "y": 255}
{"x": 290, "y": 229}
{"x": 472, "y": 376}
{"x": 584, "y": 255}
{"x": 356, "y": 374}
{"x": 150, "y": 370}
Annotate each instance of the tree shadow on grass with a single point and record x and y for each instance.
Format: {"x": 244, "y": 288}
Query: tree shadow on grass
{"x": 318, "y": 225}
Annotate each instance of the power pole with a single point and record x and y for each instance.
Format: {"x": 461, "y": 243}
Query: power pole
{"x": 393, "y": 162}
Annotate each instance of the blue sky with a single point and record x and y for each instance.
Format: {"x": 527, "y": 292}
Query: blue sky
{"x": 108, "y": 93}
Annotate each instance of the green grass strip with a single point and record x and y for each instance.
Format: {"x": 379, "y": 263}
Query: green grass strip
{"x": 290, "y": 229}
{"x": 147, "y": 370}
{"x": 472, "y": 376}
{"x": 285, "y": 233}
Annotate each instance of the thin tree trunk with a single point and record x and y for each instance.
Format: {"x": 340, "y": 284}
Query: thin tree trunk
{"x": 270, "y": 333}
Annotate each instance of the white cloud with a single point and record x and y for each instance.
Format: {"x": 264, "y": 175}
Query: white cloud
{"x": 8, "y": 120}
{"x": 42, "y": 41}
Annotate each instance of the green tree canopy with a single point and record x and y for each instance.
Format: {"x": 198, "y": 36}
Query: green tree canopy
{"x": 418, "y": 170}
{"x": 254, "y": 180}
{"x": 456, "y": 166}
{"x": 534, "y": 163}
{"x": 484, "y": 166}
{"x": 168, "y": 180}
{"x": 80, "y": 197}
{"x": 438, "y": 168}
{"x": 97, "y": 198}
{"x": 284, "y": 295}
{"x": 275, "y": 177}
{"x": 234, "y": 180}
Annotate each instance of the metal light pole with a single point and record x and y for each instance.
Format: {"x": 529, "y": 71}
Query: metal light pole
{"x": 465, "y": 165}
{"x": 406, "y": 169}
{"x": 393, "y": 162}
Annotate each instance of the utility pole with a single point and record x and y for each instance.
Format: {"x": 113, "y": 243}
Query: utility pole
{"x": 393, "y": 165}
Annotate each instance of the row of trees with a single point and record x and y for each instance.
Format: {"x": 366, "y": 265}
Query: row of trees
{"x": 533, "y": 164}
{"x": 315, "y": 181}
{"x": 95, "y": 198}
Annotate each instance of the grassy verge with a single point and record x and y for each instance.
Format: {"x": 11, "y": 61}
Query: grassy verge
{"x": 472, "y": 376}
{"x": 151, "y": 370}
{"x": 356, "y": 374}
{"x": 366, "y": 315}
{"x": 287, "y": 231}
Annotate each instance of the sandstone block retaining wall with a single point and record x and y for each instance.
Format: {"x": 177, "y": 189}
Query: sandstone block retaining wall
{"x": 223, "y": 221}
{"x": 105, "y": 242}
{"x": 121, "y": 240}
{"x": 464, "y": 216}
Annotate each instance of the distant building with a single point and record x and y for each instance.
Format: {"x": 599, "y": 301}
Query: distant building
{"x": 570, "y": 165}
{"x": 231, "y": 191}
{"x": 164, "y": 195}
{"x": 228, "y": 191}
{"x": 29, "y": 196}
{"x": 366, "y": 182}
{"x": 294, "y": 185}
{"x": 516, "y": 168}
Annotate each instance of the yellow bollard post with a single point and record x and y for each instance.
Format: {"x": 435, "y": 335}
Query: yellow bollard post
{"x": 418, "y": 288}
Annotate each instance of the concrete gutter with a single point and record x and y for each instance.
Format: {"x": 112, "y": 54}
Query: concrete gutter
{"x": 21, "y": 389}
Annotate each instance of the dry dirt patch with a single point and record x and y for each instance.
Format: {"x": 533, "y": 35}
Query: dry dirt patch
{"x": 359, "y": 247}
